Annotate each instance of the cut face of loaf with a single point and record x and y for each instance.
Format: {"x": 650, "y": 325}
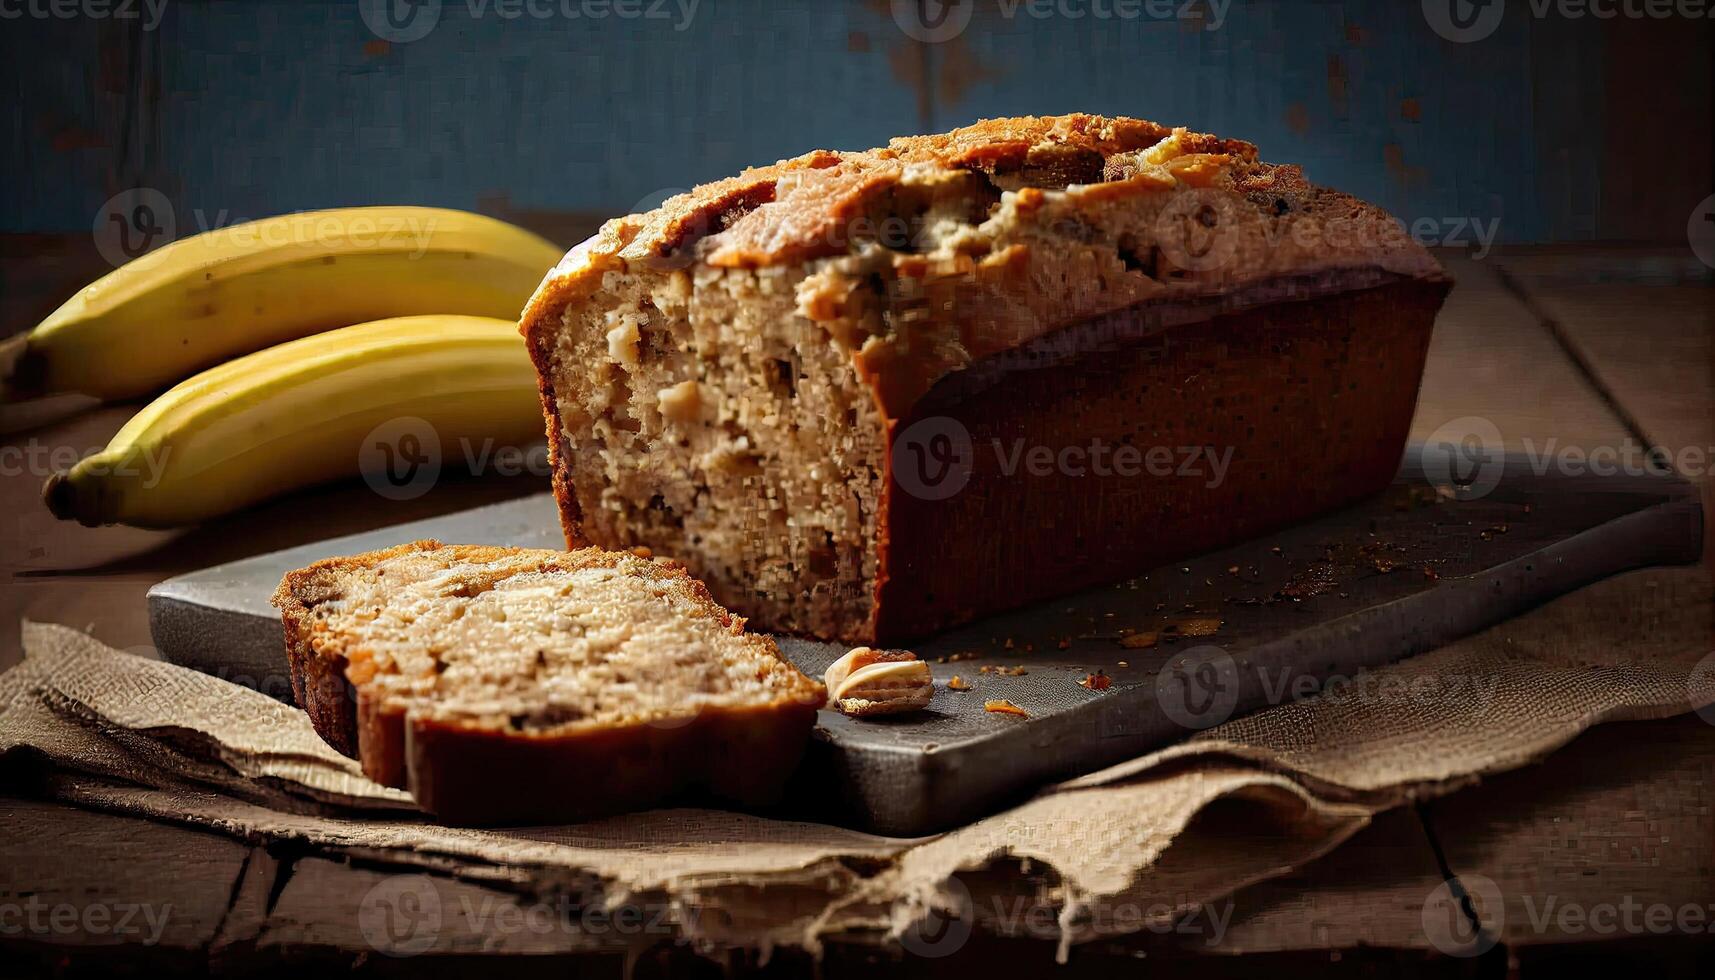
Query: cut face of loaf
{"x": 503, "y": 684}
{"x": 830, "y": 385}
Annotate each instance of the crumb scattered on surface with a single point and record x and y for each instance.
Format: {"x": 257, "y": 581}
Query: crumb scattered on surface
{"x": 1097, "y": 681}
{"x": 1004, "y": 707}
{"x": 1196, "y": 626}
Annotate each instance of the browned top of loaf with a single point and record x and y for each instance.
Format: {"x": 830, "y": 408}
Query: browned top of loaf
{"x": 809, "y": 197}
{"x": 1056, "y": 219}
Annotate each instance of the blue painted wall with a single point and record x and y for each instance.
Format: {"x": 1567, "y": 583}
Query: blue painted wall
{"x": 239, "y": 109}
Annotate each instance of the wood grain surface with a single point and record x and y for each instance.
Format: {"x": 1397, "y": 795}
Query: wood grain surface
{"x": 1585, "y": 346}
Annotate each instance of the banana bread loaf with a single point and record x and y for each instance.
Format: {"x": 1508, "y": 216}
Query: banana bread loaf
{"x": 504, "y": 684}
{"x": 867, "y": 395}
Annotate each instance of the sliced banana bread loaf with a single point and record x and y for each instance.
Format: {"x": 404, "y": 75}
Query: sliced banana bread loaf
{"x": 866, "y": 395}
{"x": 506, "y": 684}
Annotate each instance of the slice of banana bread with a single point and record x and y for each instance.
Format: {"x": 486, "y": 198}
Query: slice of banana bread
{"x": 502, "y": 685}
{"x": 866, "y": 395}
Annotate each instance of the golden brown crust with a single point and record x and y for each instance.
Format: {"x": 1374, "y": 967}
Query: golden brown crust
{"x": 571, "y": 515}
{"x": 742, "y": 752}
{"x": 1044, "y": 271}
{"x": 810, "y": 196}
{"x": 318, "y": 676}
{"x": 1012, "y": 239}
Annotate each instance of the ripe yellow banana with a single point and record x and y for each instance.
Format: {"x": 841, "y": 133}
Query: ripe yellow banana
{"x": 379, "y": 398}
{"x": 223, "y": 293}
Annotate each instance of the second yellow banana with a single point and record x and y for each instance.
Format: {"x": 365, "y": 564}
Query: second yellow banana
{"x": 302, "y": 413}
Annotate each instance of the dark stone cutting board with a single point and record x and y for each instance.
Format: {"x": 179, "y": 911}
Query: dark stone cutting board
{"x": 1396, "y": 575}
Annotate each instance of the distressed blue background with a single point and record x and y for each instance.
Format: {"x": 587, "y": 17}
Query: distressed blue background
{"x": 240, "y": 109}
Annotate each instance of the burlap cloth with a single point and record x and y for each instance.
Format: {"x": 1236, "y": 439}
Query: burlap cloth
{"x": 122, "y": 733}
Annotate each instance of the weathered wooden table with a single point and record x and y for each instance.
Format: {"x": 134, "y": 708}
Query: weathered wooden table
{"x": 1587, "y": 347}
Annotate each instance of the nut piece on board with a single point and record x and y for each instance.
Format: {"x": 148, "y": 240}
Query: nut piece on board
{"x": 868, "y": 682}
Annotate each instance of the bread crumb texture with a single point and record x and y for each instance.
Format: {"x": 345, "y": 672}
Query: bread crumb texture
{"x": 721, "y": 373}
{"x": 534, "y": 642}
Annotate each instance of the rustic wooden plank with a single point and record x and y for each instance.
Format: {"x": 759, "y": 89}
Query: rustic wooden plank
{"x": 1643, "y": 323}
{"x": 1640, "y": 324}
{"x": 1368, "y": 892}
{"x": 1491, "y": 358}
{"x": 1622, "y": 817}
{"x": 75, "y": 879}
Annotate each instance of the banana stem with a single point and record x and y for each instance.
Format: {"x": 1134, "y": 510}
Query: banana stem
{"x": 60, "y": 496}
